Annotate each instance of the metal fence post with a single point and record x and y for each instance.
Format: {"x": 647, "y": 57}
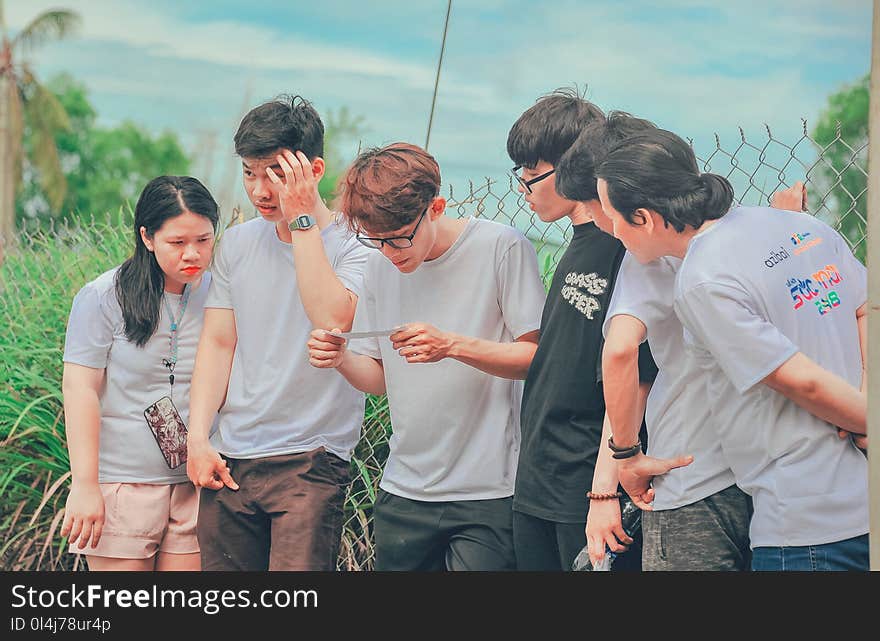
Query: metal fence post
{"x": 873, "y": 240}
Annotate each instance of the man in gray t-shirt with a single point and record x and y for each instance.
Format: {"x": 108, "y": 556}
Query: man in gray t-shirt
{"x": 286, "y": 431}
{"x": 773, "y": 307}
{"x": 699, "y": 518}
{"x": 454, "y": 306}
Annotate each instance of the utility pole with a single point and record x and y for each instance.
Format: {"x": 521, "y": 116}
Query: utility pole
{"x": 873, "y": 240}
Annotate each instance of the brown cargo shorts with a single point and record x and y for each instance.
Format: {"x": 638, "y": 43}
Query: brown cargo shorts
{"x": 286, "y": 514}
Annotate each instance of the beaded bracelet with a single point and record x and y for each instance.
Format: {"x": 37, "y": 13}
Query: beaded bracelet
{"x": 599, "y": 496}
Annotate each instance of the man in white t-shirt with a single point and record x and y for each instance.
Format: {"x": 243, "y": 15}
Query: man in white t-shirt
{"x": 773, "y": 306}
{"x": 286, "y": 430}
{"x": 461, "y": 300}
{"x": 699, "y": 518}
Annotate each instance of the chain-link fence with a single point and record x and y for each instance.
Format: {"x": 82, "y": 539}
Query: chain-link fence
{"x": 44, "y": 270}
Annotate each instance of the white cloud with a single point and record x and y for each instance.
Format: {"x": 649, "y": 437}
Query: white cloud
{"x": 754, "y": 63}
{"x": 161, "y": 33}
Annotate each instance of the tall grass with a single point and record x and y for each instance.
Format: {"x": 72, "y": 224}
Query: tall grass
{"x": 38, "y": 280}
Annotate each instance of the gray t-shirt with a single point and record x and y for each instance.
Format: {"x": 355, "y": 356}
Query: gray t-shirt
{"x": 757, "y": 287}
{"x": 276, "y": 402}
{"x": 677, "y": 415}
{"x": 456, "y": 429}
{"x": 135, "y": 377}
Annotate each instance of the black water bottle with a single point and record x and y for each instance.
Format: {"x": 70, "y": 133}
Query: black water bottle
{"x": 631, "y": 520}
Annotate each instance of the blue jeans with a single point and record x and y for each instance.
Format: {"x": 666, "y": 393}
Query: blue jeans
{"x": 851, "y": 554}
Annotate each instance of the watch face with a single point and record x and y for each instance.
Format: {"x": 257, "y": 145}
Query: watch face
{"x": 301, "y": 222}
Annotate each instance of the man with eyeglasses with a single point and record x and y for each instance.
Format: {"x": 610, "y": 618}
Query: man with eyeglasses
{"x": 563, "y": 407}
{"x": 468, "y": 294}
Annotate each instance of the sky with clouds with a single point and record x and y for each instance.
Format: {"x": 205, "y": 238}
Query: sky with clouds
{"x": 697, "y": 67}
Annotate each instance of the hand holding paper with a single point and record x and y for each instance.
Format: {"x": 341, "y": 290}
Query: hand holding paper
{"x": 422, "y": 343}
{"x": 326, "y": 349}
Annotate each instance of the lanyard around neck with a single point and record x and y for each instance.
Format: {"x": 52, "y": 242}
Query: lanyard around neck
{"x": 171, "y": 361}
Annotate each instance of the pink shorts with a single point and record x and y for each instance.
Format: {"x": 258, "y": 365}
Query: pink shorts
{"x": 141, "y": 519}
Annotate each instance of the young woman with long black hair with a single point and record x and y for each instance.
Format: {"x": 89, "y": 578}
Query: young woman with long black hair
{"x": 128, "y": 359}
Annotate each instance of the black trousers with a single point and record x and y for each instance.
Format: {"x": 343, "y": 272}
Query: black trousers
{"x": 444, "y": 535}
{"x": 550, "y": 546}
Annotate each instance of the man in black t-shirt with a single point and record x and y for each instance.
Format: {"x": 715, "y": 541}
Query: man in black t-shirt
{"x": 563, "y": 406}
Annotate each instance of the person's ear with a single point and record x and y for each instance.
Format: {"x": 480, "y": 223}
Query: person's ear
{"x": 318, "y": 167}
{"x": 437, "y": 207}
{"x": 646, "y": 220}
{"x": 148, "y": 242}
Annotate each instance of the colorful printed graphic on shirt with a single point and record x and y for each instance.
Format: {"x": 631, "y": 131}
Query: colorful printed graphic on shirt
{"x": 803, "y": 242}
{"x": 585, "y": 303}
{"x": 828, "y": 276}
{"x": 805, "y": 290}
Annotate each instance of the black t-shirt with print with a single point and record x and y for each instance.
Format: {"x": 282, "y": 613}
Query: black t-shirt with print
{"x": 563, "y": 405}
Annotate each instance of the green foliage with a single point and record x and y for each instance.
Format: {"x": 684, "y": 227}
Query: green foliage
{"x": 357, "y": 550}
{"x": 44, "y": 119}
{"x": 844, "y": 164}
{"x": 29, "y": 109}
{"x": 39, "y": 279}
{"x": 548, "y": 258}
{"x": 104, "y": 167}
{"x": 339, "y": 127}
{"x": 46, "y": 27}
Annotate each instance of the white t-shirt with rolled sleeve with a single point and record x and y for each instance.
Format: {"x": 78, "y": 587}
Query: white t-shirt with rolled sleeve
{"x": 276, "y": 402}
{"x": 677, "y": 415}
{"x": 135, "y": 377}
{"x": 757, "y": 287}
{"x": 455, "y": 428}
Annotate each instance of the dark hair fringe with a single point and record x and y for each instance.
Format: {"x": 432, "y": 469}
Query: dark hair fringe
{"x": 286, "y": 122}
{"x": 548, "y": 128}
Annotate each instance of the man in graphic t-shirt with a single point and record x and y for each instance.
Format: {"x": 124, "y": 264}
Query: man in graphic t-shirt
{"x": 773, "y": 306}
{"x": 563, "y": 406}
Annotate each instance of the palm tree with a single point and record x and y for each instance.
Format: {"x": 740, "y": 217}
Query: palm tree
{"x": 24, "y": 100}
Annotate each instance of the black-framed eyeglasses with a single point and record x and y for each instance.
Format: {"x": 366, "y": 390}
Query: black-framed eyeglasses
{"x": 398, "y": 242}
{"x": 527, "y": 184}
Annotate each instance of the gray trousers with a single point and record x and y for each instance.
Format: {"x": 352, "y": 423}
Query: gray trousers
{"x": 709, "y": 535}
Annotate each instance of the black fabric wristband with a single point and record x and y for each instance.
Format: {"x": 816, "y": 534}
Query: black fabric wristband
{"x": 636, "y": 449}
{"x": 624, "y": 452}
